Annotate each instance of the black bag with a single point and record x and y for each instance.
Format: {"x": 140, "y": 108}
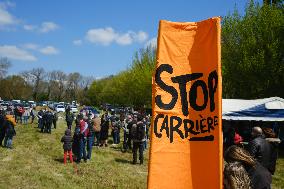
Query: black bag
{"x": 138, "y": 131}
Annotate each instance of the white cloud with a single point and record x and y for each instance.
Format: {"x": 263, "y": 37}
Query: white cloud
{"x": 29, "y": 27}
{"x": 16, "y": 53}
{"x": 125, "y": 39}
{"x": 103, "y": 36}
{"x": 152, "y": 43}
{"x": 106, "y": 36}
{"x": 31, "y": 46}
{"x": 141, "y": 36}
{"x": 45, "y": 27}
{"x": 6, "y": 18}
{"x": 49, "y": 50}
{"x": 77, "y": 42}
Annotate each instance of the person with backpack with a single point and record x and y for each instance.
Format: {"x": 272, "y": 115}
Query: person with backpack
{"x": 97, "y": 129}
{"x": 67, "y": 145}
{"x": 69, "y": 118}
{"x": 90, "y": 138}
{"x": 116, "y": 125}
{"x": 138, "y": 137}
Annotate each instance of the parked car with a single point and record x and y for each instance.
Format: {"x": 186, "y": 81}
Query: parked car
{"x": 60, "y": 108}
{"x": 74, "y": 108}
{"x": 92, "y": 109}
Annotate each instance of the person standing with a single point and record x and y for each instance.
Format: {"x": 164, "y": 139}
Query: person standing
{"x": 104, "y": 129}
{"x": 10, "y": 131}
{"x": 90, "y": 138}
{"x": 274, "y": 142}
{"x": 259, "y": 148}
{"x": 55, "y": 119}
{"x": 67, "y": 145}
{"x": 97, "y": 129}
{"x": 2, "y": 127}
{"x": 32, "y": 113}
{"x": 83, "y": 138}
{"x": 138, "y": 137}
{"x": 69, "y": 118}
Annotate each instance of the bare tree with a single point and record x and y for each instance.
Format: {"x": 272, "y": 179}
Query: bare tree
{"x": 35, "y": 78}
{"x": 5, "y": 64}
{"x": 73, "y": 81}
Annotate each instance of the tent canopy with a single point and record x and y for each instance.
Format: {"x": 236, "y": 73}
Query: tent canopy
{"x": 267, "y": 109}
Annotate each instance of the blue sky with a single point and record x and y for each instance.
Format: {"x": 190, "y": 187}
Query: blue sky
{"x": 92, "y": 37}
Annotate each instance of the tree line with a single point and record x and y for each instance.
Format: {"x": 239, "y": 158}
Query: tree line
{"x": 252, "y": 66}
{"x": 40, "y": 85}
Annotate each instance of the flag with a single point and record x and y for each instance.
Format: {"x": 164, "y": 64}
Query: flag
{"x": 186, "y": 134}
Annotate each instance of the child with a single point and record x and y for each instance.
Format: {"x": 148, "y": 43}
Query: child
{"x": 67, "y": 145}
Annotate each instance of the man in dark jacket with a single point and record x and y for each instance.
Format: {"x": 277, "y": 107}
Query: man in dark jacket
{"x": 138, "y": 137}
{"x": 69, "y": 118}
{"x": 67, "y": 145}
{"x": 259, "y": 148}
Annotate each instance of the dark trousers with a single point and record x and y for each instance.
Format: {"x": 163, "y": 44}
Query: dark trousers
{"x": 54, "y": 124}
{"x": 136, "y": 146}
{"x": 116, "y": 138}
{"x": 90, "y": 141}
{"x": 82, "y": 152}
{"x": 2, "y": 136}
{"x": 97, "y": 138}
{"x": 48, "y": 127}
{"x": 69, "y": 125}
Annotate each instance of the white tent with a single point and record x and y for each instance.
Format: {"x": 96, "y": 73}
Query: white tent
{"x": 267, "y": 109}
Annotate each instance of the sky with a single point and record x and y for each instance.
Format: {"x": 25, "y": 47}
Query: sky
{"x": 93, "y": 37}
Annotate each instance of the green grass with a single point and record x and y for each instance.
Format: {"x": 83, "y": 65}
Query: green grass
{"x": 36, "y": 162}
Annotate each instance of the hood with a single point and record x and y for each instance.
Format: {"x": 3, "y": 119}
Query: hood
{"x": 68, "y": 132}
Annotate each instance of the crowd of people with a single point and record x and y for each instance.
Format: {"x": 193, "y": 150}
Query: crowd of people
{"x": 252, "y": 165}
{"x": 248, "y": 165}
{"x": 93, "y": 130}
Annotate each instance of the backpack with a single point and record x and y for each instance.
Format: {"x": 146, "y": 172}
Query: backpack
{"x": 91, "y": 129}
{"x": 138, "y": 131}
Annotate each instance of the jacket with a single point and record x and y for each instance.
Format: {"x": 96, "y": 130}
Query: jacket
{"x": 67, "y": 140}
{"x": 260, "y": 177}
{"x": 260, "y": 149}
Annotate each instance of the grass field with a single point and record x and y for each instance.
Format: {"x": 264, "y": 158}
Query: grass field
{"x": 37, "y": 162}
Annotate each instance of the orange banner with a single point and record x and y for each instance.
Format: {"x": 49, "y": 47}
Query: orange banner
{"x": 186, "y": 136}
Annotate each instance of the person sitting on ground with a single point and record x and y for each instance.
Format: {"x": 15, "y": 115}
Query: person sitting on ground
{"x": 259, "y": 148}
{"x": 274, "y": 142}
{"x": 259, "y": 175}
{"x": 67, "y": 145}
{"x": 236, "y": 177}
